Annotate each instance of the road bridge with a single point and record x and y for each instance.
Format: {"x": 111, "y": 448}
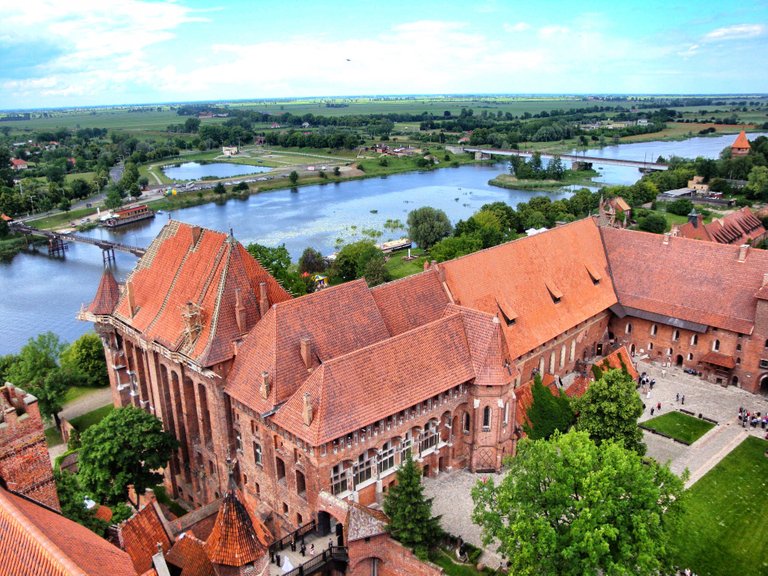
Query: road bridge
{"x": 57, "y": 242}
{"x": 641, "y": 165}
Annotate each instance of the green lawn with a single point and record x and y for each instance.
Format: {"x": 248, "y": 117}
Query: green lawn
{"x": 53, "y": 437}
{"x": 399, "y": 268}
{"x": 444, "y": 560}
{"x": 679, "y": 426}
{"x": 724, "y": 531}
{"x": 91, "y": 418}
{"x": 76, "y": 392}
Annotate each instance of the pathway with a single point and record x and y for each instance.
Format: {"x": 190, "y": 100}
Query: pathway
{"x": 87, "y": 403}
{"x": 313, "y": 538}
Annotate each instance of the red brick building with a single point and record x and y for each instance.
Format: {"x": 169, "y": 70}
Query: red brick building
{"x": 740, "y": 146}
{"x": 316, "y": 399}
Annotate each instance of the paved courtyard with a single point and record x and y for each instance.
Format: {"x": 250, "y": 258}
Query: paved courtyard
{"x": 451, "y": 491}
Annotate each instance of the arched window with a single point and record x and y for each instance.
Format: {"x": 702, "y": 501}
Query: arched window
{"x": 386, "y": 457}
{"x": 654, "y": 329}
{"x": 650, "y": 345}
{"x": 690, "y": 356}
{"x": 506, "y": 414}
{"x": 301, "y": 484}
{"x": 716, "y": 345}
{"x": 676, "y": 335}
{"x": 466, "y": 423}
{"x": 257, "y": 458}
{"x": 628, "y": 328}
{"x": 552, "y": 363}
{"x": 694, "y": 339}
{"x": 487, "y": 418}
{"x": 573, "y": 350}
{"x": 562, "y": 356}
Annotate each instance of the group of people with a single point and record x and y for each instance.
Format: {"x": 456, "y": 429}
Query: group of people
{"x": 753, "y": 419}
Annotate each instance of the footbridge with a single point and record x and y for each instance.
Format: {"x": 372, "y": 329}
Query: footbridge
{"x": 57, "y": 242}
{"x": 641, "y": 165}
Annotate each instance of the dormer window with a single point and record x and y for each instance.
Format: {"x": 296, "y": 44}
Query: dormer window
{"x": 594, "y": 274}
{"x": 554, "y": 292}
{"x": 507, "y": 312}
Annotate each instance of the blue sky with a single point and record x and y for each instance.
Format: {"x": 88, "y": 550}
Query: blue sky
{"x": 89, "y": 52}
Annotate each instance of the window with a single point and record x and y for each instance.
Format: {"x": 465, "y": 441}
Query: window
{"x": 738, "y": 347}
{"x": 654, "y": 329}
{"x": 386, "y": 457}
{"x": 552, "y": 363}
{"x": 690, "y": 356}
{"x": 738, "y": 360}
{"x": 541, "y": 365}
{"x": 338, "y": 479}
{"x": 405, "y": 445}
{"x": 257, "y": 454}
{"x": 628, "y": 328}
{"x": 257, "y": 488}
{"x": 280, "y": 468}
{"x": 301, "y": 484}
{"x": 487, "y": 418}
{"x": 650, "y": 345}
{"x": 676, "y": 335}
{"x": 506, "y": 414}
{"x": 362, "y": 470}
{"x": 562, "y": 356}
{"x": 254, "y": 427}
{"x": 694, "y": 339}
{"x": 285, "y": 508}
{"x": 763, "y": 363}
{"x": 466, "y": 423}
{"x": 245, "y": 479}
{"x": 374, "y": 567}
{"x": 211, "y": 467}
{"x": 239, "y": 443}
{"x": 429, "y": 436}
{"x": 716, "y": 345}
{"x": 573, "y": 350}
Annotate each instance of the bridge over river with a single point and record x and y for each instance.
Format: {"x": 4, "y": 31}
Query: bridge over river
{"x": 641, "y": 165}
{"x": 57, "y": 242}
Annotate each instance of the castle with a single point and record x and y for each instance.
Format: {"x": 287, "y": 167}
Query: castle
{"x": 313, "y": 400}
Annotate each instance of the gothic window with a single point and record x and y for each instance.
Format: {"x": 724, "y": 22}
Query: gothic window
{"x": 338, "y": 479}
{"x": 405, "y": 445}
{"x": 716, "y": 345}
{"x": 694, "y": 339}
{"x": 386, "y": 457}
{"x": 280, "y": 468}
{"x": 506, "y": 414}
{"x": 487, "y": 418}
{"x": 654, "y": 329}
{"x": 257, "y": 454}
{"x": 676, "y": 335}
{"x": 628, "y": 328}
{"x": 429, "y": 436}
{"x": 301, "y": 484}
{"x": 466, "y": 423}
{"x": 362, "y": 470}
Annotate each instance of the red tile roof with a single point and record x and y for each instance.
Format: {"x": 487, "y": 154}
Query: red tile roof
{"x": 337, "y": 320}
{"x": 410, "y": 302}
{"x": 357, "y": 389}
{"x": 617, "y": 360}
{"x": 189, "y": 264}
{"x": 107, "y": 295}
{"x": 188, "y": 553}
{"x": 741, "y": 142}
{"x": 237, "y": 538}
{"x": 739, "y": 227}
{"x": 701, "y": 282}
{"x": 140, "y": 535}
{"x": 35, "y": 541}
{"x": 719, "y": 359}
{"x": 520, "y": 276}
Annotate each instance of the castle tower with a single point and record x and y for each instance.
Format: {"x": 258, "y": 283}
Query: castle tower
{"x": 740, "y": 147}
{"x": 25, "y": 466}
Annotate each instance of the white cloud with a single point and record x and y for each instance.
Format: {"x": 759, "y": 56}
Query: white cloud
{"x": 735, "y": 32}
{"x": 547, "y": 32}
{"x": 692, "y": 50}
{"x": 517, "y": 27}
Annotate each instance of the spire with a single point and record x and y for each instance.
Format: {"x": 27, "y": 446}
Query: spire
{"x": 107, "y": 294}
{"x": 741, "y": 146}
{"x": 236, "y": 539}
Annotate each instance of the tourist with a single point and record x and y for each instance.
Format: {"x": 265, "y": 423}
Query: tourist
{"x": 651, "y": 410}
{"x": 677, "y": 397}
{"x": 683, "y": 399}
{"x": 658, "y": 406}
{"x": 653, "y": 383}
{"x": 311, "y": 549}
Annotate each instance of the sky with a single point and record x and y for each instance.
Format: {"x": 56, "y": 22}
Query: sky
{"x": 61, "y": 53}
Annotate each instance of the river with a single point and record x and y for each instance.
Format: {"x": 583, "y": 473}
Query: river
{"x": 38, "y": 293}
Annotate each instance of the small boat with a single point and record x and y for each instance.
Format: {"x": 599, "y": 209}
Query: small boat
{"x": 128, "y": 216}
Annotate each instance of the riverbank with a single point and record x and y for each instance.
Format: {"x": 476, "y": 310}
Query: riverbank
{"x": 571, "y": 178}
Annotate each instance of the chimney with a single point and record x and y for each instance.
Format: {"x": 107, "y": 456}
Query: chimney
{"x": 743, "y": 249}
{"x": 129, "y": 295}
{"x": 263, "y": 299}
{"x": 440, "y": 273}
{"x": 196, "y": 233}
{"x": 694, "y": 218}
{"x": 666, "y": 238}
{"x": 240, "y": 315}
{"x": 306, "y": 351}
{"x": 264, "y": 388}
{"x": 307, "y": 412}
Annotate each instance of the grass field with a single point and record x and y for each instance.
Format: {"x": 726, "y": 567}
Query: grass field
{"x": 724, "y": 532}
{"x": 90, "y": 418}
{"x": 679, "y": 426}
{"x": 400, "y": 268}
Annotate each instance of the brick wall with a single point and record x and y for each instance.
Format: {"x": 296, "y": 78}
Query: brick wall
{"x": 393, "y": 559}
{"x": 24, "y": 462}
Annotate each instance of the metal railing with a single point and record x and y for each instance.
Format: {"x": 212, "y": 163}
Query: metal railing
{"x": 332, "y": 554}
{"x": 293, "y": 537}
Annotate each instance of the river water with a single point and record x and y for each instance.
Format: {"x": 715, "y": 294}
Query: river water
{"x": 39, "y": 293}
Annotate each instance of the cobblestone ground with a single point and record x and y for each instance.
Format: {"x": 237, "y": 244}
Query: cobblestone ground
{"x": 451, "y": 492}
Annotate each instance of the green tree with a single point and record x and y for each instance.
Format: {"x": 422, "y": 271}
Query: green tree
{"x": 86, "y": 357}
{"x": 113, "y": 199}
{"x": 125, "y": 448}
{"x": 293, "y": 177}
{"x": 65, "y": 205}
{"x": 757, "y": 183}
{"x": 375, "y": 271}
{"x": 36, "y": 359}
{"x": 275, "y": 259}
{"x": 219, "y": 189}
{"x": 568, "y": 507}
{"x": 311, "y": 261}
{"x": 609, "y": 411}
{"x": 72, "y": 499}
{"x": 455, "y": 246}
{"x": 191, "y": 125}
{"x": 548, "y": 413}
{"x": 427, "y": 226}
{"x": 336, "y": 171}
{"x": 681, "y": 207}
{"x": 410, "y": 513}
{"x": 653, "y": 222}
{"x": 352, "y": 259}
{"x": 51, "y": 391}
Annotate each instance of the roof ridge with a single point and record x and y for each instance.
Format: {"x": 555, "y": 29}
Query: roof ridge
{"x": 226, "y": 247}
{"x": 54, "y": 553}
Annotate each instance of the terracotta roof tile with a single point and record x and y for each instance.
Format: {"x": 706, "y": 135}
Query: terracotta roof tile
{"x": 741, "y": 142}
{"x": 107, "y": 295}
{"x": 189, "y": 264}
{"x": 719, "y": 359}
{"x": 528, "y": 275}
{"x": 337, "y": 320}
{"x": 411, "y": 301}
{"x": 35, "y": 541}
{"x": 237, "y": 537}
{"x": 615, "y": 359}
{"x": 140, "y": 535}
{"x": 188, "y": 553}
{"x": 357, "y": 389}
{"x": 701, "y": 282}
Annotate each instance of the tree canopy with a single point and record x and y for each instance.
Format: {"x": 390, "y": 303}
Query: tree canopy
{"x": 609, "y": 411}
{"x": 569, "y": 507}
{"x": 85, "y": 356}
{"x": 410, "y": 513}
{"x": 427, "y": 226}
{"x": 549, "y": 412}
{"x": 311, "y": 261}
{"x": 124, "y": 449}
